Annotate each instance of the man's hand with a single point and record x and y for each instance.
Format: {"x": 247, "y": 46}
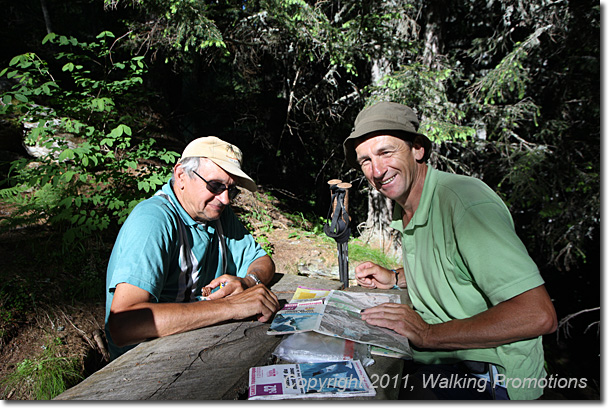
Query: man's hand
{"x": 372, "y": 276}
{"x": 263, "y": 268}
{"x": 230, "y": 285}
{"x": 401, "y": 319}
{"x": 257, "y": 300}
{"x": 243, "y": 301}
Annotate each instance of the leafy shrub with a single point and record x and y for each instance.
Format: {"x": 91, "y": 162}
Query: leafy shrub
{"x": 94, "y": 168}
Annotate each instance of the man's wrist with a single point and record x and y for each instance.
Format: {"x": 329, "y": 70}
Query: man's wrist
{"x": 395, "y": 272}
{"x": 253, "y": 279}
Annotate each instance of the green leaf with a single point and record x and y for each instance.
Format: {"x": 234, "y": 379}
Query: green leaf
{"x": 68, "y": 175}
{"x": 120, "y": 130}
{"x": 66, "y": 202}
{"x": 69, "y": 236}
{"x": 143, "y": 185}
{"x": 126, "y": 129}
{"x": 105, "y": 34}
{"x": 49, "y": 37}
{"x": 66, "y": 154}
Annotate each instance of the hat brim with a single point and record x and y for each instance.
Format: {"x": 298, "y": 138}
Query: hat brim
{"x": 371, "y": 129}
{"x": 241, "y": 178}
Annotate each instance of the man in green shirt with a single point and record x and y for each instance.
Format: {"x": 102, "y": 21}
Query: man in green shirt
{"x": 480, "y": 307}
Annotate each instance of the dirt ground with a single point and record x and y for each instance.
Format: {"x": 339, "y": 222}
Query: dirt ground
{"x": 80, "y": 325}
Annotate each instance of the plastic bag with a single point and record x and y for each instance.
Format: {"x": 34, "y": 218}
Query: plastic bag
{"x": 312, "y": 347}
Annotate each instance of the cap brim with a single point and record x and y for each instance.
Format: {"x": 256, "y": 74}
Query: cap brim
{"x": 240, "y": 176}
{"x": 371, "y": 129}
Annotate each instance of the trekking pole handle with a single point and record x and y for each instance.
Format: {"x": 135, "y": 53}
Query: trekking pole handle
{"x": 332, "y": 184}
{"x": 335, "y": 184}
{"x": 345, "y": 186}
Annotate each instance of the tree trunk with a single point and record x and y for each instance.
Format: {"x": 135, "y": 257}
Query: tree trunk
{"x": 432, "y": 33}
{"x": 47, "y": 18}
{"x": 377, "y": 231}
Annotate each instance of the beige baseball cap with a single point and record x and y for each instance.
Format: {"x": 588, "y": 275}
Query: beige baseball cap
{"x": 226, "y": 156}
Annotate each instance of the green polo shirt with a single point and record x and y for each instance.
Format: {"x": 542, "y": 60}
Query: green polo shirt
{"x": 165, "y": 252}
{"x": 461, "y": 256}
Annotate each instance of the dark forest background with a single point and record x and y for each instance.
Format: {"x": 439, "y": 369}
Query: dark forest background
{"x": 98, "y": 97}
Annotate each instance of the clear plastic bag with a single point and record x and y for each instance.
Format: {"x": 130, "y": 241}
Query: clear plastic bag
{"x": 312, "y": 347}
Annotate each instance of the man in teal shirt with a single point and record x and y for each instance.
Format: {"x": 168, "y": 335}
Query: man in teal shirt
{"x": 179, "y": 246}
{"x": 479, "y": 303}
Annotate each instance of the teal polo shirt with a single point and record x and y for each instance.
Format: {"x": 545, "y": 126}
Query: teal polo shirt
{"x": 165, "y": 252}
{"x": 461, "y": 256}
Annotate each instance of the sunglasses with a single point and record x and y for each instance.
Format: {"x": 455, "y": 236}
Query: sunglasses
{"x": 218, "y": 188}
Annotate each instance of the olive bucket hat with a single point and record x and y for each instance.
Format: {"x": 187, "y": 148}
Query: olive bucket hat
{"x": 395, "y": 119}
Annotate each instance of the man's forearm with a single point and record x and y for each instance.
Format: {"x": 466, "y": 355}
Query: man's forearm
{"x": 263, "y": 268}
{"x": 151, "y": 320}
{"x": 146, "y": 320}
{"x": 526, "y": 316}
{"x": 134, "y": 319}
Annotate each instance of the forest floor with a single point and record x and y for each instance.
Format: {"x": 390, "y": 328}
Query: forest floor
{"x": 53, "y": 307}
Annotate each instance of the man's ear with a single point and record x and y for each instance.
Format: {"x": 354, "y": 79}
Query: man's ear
{"x": 418, "y": 149}
{"x": 179, "y": 176}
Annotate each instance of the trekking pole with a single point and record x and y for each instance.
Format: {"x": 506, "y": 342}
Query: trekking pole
{"x": 338, "y": 228}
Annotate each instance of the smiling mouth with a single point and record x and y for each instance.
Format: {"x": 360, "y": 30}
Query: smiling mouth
{"x": 387, "y": 181}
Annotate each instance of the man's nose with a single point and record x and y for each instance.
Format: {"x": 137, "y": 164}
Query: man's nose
{"x": 224, "y": 197}
{"x": 377, "y": 167}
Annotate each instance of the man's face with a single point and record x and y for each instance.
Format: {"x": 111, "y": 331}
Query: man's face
{"x": 201, "y": 204}
{"x": 389, "y": 164}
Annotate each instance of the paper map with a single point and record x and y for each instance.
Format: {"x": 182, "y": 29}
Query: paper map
{"x": 337, "y": 313}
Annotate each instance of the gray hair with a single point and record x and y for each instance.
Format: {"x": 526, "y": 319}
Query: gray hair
{"x": 189, "y": 165}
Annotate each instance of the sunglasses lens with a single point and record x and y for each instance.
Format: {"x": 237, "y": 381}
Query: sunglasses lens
{"x": 216, "y": 187}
